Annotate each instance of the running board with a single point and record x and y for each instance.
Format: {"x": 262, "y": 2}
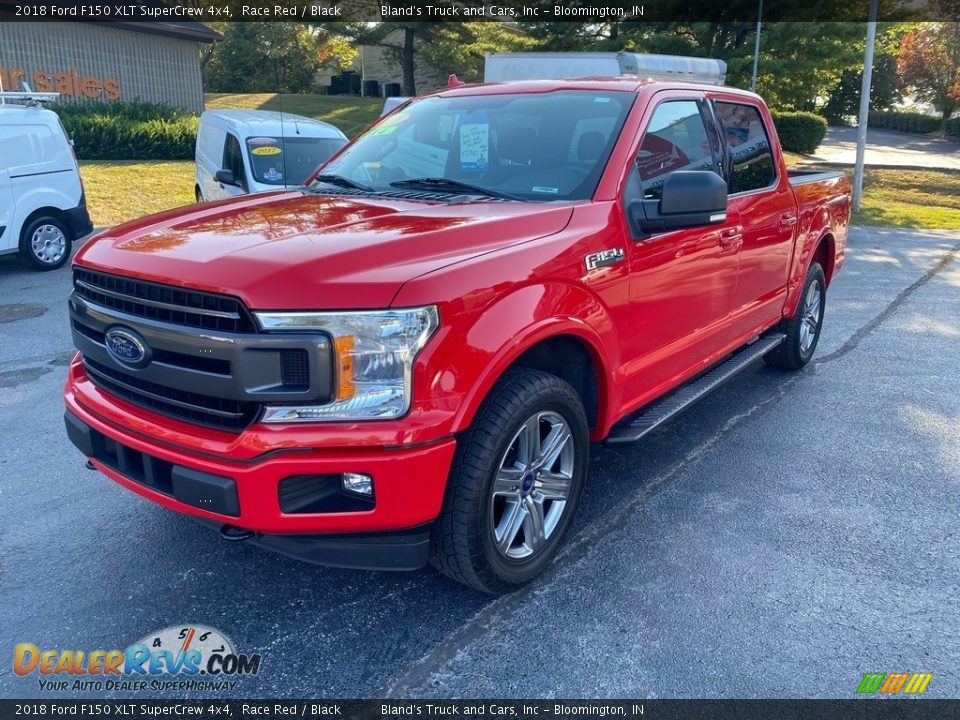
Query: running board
{"x": 654, "y": 415}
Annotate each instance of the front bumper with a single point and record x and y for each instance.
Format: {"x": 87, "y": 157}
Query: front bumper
{"x": 242, "y": 496}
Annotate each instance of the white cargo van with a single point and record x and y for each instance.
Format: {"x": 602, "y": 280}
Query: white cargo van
{"x": 42, "y": 205}
{"x": 248, "y": 151}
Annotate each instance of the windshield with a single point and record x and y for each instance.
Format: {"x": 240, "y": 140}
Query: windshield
{"x": 290, "y": 160}
{"x": 536, "y": 146}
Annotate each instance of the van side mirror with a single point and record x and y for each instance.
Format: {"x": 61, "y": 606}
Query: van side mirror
{"x": 225, "y": 177}
{"x": 690, "y": 198}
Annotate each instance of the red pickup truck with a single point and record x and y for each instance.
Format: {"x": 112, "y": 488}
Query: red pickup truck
{"x": 407, "y": 359}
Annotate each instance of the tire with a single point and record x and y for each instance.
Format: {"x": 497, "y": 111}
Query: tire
{"x": 199, "y": 195}
{"x": 477, "y": 511}
{"x": 45, "y": 242}
{"x": 803, "y": 329}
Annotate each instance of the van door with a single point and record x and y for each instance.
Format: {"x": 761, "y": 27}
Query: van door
{"x": 8, "y": 236}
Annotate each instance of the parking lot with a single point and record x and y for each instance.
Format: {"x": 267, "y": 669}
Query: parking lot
{"x": 784, "y": 537}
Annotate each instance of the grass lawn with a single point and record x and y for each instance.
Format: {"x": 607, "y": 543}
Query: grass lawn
{"x": 350, "y": 114}
{"x": 120, "y": 190}
{"x": 909, "y": 198}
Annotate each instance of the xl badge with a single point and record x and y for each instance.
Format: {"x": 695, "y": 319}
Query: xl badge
{"x": 127, "y": 347}
{"x": 603, "y": 258}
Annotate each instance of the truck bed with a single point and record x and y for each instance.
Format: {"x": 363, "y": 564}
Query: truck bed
{"x": 800, "y": 177}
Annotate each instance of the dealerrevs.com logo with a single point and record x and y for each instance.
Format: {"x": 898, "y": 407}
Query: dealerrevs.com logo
{"x": 182, "y": 657}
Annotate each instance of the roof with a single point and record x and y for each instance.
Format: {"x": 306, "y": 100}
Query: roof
{"x": 269, "y": 122}
{"x": 625, "y": 83}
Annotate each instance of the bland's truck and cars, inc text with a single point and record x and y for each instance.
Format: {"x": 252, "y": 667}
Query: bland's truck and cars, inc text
{"x": 407, "y": 360}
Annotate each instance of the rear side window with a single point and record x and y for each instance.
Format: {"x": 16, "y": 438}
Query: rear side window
{"x": 750, "y": 157}
{"x": 233, "y": 158}
{"x": 676, "y": 139}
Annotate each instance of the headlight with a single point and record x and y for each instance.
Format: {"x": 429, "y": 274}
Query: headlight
{"x": 373, "y": 361}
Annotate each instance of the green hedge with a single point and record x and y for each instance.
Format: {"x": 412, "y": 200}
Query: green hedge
{"x": 800, "y": 132}
{"x": 129, "y": 131}
{"x": 953, "y": 127}
{"x": 911, "y": 122}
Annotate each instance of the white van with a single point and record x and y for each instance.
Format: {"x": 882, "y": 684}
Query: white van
{"x": 248, "y": 151}
{"x": 42, "y": 205}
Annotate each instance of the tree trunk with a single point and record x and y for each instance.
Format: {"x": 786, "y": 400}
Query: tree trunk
{"x": 407, "y": 60}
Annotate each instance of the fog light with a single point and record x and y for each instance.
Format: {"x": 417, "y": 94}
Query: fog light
{"x": 358, "y": 484}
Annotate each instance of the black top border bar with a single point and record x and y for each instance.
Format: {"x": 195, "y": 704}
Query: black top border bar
{"x": 183, "y": 16}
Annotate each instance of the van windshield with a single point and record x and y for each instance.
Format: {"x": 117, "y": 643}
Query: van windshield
{"x": 289, "y": 160}
{"x": 534, "y": 146}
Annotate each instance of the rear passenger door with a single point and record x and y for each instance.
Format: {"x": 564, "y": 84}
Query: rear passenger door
{"x": 765, "y": 204}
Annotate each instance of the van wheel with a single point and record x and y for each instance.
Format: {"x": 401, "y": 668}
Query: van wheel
{"x": 514, "y": 485}
{"x": 803, "y": 329}
{"x": 45, "y": 243}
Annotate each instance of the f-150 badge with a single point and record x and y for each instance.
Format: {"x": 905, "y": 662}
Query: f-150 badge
{"x": 603, "y": 258}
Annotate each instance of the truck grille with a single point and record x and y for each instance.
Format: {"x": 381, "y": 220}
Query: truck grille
{"x": 163, "y": 302}
{"x": 192, "y": 407}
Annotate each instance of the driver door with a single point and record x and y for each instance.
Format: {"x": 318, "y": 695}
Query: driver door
{"x": 682, "y": 282}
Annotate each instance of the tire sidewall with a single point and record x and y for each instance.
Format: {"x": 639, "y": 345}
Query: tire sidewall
{"x": 814, "y": 275}
{"x": 517, "y": 572}
{"x": 26, "y": 245}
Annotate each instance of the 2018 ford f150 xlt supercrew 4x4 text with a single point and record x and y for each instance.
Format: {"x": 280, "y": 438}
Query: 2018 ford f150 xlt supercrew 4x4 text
{"x": 407, "y": 359}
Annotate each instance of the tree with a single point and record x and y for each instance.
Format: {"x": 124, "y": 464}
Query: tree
{"x": 844, "y": 100}
{"x": 264, "y": 57}
{"x": 929, "y": 65}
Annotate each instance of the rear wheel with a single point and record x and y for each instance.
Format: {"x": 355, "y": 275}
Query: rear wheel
{"x": 803, "y": 329}
{"x": 515, "y": 483}
{"x": 45, "y": 243}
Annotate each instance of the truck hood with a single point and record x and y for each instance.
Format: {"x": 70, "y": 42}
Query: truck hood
{"x": 300, "y": 251}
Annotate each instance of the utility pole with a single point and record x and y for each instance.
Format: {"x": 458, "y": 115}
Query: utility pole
{"x": 756, "y": 49}
{"x": 864, "y": 105}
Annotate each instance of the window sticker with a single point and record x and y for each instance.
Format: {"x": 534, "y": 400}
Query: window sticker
{"x": 543, "y": 189}
{"x": 261, "y": 141}
{"x": 272, "y": 175}
{"x": 387, "y": 129}
{"x": 475, "y": 144}
{"x": 266, "y": 150}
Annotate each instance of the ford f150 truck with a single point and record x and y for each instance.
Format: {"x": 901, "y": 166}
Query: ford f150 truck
{"x": 406, "y": 360}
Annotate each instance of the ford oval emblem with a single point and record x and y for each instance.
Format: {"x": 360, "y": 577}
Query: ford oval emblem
{"x": 127, "y": 347}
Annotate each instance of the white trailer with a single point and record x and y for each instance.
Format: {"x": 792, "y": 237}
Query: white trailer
{"x": 503, "y": 67}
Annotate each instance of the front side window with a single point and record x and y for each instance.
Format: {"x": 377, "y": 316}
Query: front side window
{"x": 233, "y": 159}
{"x": 676, "y": 139}
{"x": 534, "y": 146}
{"x": 751, "y": 160}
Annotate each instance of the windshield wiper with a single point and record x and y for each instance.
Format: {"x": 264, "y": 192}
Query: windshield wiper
{"x": 437, "y": 183}
{"x": 341, "y": 181}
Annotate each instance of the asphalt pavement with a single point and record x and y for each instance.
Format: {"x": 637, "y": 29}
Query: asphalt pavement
{"x": 890, "y": 148}
{"x": 782, "y": 538}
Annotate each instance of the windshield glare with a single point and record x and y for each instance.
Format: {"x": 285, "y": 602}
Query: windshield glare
{"x": 538, "y": 146}
{"x": 289, "y": 160}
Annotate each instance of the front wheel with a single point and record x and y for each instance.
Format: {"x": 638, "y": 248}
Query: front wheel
{"x": 45, "y": 243}
{"x": 803, "y": 329}
{"x": 514, "y": 485}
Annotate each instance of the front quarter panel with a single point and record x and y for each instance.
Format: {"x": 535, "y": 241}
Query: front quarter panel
{"x": 518, "y": 297}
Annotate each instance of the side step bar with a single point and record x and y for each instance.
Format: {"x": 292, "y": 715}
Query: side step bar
{"x": 658, "y": 412}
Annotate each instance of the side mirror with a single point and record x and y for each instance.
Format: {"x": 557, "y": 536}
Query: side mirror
{"x": 225, "y": 177}
{"x": 690, "y": 198}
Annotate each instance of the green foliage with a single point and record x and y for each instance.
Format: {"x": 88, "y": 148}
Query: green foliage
{"x": 911, "y": 122}
{"x": 952, "y": 127}
{"x": 844, "y": 100}
{"x": 129, "y": 131}
{"x": 268, "y": 57}
{"x": 800, "y": 132}
{"x": 460, "y": 47}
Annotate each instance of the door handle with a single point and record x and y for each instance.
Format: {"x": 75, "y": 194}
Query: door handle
{"x": 787, "y": 220}
{"x": 731, "y": 239}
